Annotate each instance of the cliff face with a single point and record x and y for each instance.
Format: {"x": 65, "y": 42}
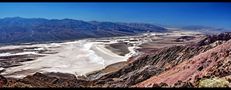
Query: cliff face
{"x": 176, "y": 66}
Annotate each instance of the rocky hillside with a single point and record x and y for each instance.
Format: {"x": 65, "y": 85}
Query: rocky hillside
{"x": 23, "y": 30}
{"x": 210, "y": 64}
{"x": 201, "y": 64}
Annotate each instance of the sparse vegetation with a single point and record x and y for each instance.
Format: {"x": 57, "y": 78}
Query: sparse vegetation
{"x": 213, "y": 82}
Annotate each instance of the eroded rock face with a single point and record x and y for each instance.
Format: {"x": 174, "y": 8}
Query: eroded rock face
{"x": 200, "y": 65}
{"x": 181, "y": 84}
{"x": 3, "y": 80}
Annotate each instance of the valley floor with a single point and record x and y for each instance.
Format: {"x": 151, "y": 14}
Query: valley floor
{"x": 173, "y": 59}
{"x": 79, "y": 58}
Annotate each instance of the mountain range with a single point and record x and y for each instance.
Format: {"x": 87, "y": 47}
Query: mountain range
{"x": 25, "y": 30}
{"x": 204, "y": 29}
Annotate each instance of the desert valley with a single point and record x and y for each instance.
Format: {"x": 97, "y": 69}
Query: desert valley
{"x": 182, "y": 57}
{"x": 115, "y": 45}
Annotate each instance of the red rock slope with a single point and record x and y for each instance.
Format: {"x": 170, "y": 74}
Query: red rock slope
{"x": 211, "y": 62}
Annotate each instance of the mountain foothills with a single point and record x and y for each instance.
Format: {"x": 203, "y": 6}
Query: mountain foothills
{"x": 23, "y": 30}
{"x": 204, "y": 29}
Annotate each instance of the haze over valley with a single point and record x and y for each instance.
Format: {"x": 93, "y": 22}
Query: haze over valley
{"x": 98, "y": 45}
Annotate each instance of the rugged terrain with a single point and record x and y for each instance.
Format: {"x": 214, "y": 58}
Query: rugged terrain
{"x": 213, "y": 61}
{"x": 186, "y": 61}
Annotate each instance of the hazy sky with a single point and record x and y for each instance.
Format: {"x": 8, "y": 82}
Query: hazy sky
{"x": 210, "y": 14}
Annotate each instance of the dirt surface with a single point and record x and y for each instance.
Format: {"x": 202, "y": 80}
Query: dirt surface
{"x": 118, "y": 48}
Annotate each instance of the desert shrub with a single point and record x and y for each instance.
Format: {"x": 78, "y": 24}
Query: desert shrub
{"x": 213, "y": 82}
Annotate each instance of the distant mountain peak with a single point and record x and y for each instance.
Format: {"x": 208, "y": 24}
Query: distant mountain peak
{"x": 18, "y": 29}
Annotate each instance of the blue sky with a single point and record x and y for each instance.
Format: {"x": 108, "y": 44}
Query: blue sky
{"x": 172, "y": 13}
